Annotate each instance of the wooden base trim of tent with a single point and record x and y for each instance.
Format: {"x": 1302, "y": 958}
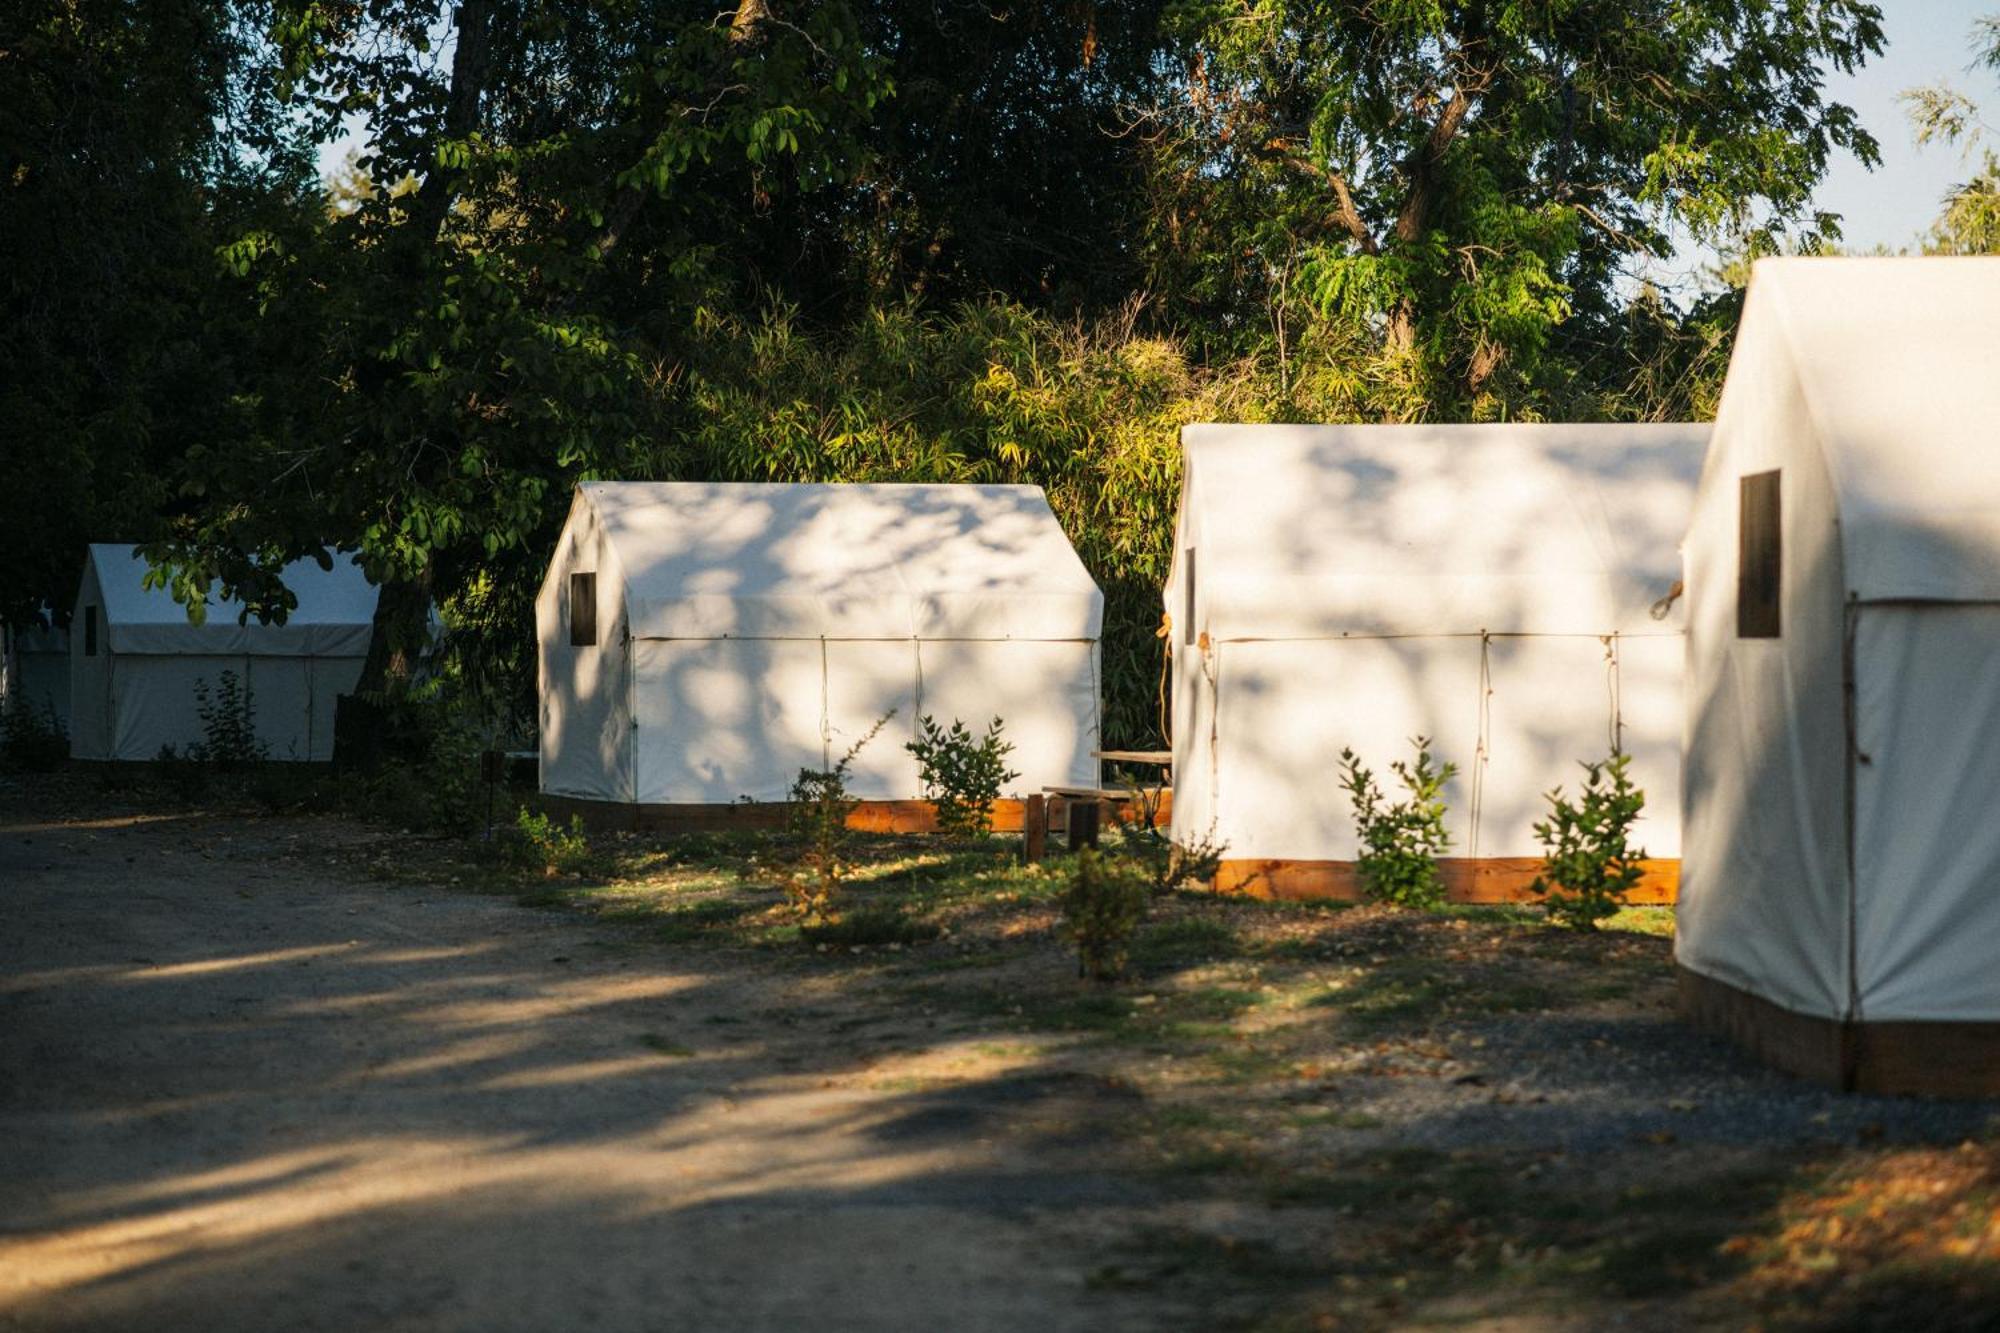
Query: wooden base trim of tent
{"x": 1009, "y": 815}
{"x": 1487, "y": 879}
{"x": 1897, "y": 1059}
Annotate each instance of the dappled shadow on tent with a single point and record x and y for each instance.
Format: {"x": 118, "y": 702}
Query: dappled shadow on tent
{"x": 1408, "y": 594}
{"x": 774, "y": 626}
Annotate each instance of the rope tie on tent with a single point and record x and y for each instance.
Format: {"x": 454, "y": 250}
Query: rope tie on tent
{"x": 1165, "y": 634}
{"x": 1611, "y": 681}
{"x": 1482, "y": 751}
{"x": 825, "y": 711}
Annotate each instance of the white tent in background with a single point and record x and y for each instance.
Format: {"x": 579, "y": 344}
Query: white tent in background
{"x": 34, "y": 671}
{"x": 1492, "y": 587}
{"x": 701, "y": 643}
{"x": 1841, "y": 892}
{"x": 135, "y": 660}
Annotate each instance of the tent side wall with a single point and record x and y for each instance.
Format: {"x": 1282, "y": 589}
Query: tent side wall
{"x": 1318, "y": 653}
{"x": 1764, "y": 876}
{"x": 36, "y": 671}
{"x": 724, "y": 719}
{"x": 1551, "y": 703}
{"x": 1926, "y": 845}
{"x": 587, "y": 737}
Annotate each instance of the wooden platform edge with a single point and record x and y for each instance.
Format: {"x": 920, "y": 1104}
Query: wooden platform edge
{"x": 868, "y": 816}
{"x": 1484, "y": 880}
{"x": 1947, "y": 1061}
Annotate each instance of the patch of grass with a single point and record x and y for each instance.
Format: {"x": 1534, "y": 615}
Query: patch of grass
{"x": 1172, "y": 944}
{"x": 872, "y": 925}
{"x": 702, "y": 919}
{"x": 653, "y": 1041}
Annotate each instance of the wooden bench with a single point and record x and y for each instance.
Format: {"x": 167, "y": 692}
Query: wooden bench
{"x": 1081, "y": 812}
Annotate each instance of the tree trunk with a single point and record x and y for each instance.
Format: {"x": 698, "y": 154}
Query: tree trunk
{"x": 363, "y": 735}
{"x": 363, "y": 731}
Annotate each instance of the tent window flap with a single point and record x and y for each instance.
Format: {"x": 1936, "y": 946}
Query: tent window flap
{"x": 1759, "y": 558}
{"x": 583, "y": 610}
{"x": 90, "y": 631}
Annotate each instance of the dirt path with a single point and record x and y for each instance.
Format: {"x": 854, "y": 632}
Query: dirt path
{"x": 242, "y": 1085}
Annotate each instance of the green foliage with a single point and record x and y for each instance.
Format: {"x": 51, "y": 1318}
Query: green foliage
{"x": 133, "y": 140}
{"x": 1102, "y": 904}
{"x": 32, "y": 737}
{"x": 819, "y": 810}
{"x": 1168, "y": 865}
{"x": 537, "y": 843}
{"x": 228, "y": 713}
{"x": 1589, "y": 862}
{"x": 1401, "y": 841}
{"x": 1970, "y": 222}
{"x": 962, "y": 775}
{"x": 1464, "y": 187}
{"x": 431, "y": 781}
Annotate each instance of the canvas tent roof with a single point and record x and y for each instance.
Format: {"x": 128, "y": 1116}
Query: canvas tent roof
{"x": 1330, "y": 531}
{"x": 718, "y": 560}
{"x": 1904, "y": 403}
{"x": 333, "y": 618}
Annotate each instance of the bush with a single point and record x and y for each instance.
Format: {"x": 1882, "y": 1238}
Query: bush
{"x": 962, "y": 776}
{"x": 228, "y": 714}
{"x": 1589, "y": 863}
{"x": 32, "y": 737}
{"x": 1168, "y": 865}
{"x": 184, "y": 774}
{"x": 1400, "y": 842}
{"x": 536, "y": 842}
{"x": 432, "y": 782}
{"x": 1102, "y": 905}
{"x": 820, "y": 806}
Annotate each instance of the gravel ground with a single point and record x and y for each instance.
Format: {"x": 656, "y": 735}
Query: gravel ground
{"x": 1589, "y": 1085}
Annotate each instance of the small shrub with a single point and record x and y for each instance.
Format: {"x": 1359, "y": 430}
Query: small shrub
{"x": 1102, "y": 905}
{"x": 228, "y": 714}
{"x": 536, "y": 842}
{"x": 32, "y": 737}
{"x": 1588, "y": 861}
{"x": 288, "y": 788}
{"x": 962, "y": 775}
{"x": 820, "y": 806}
{"x": 1400, "y": 842}
{"x": 430, "y": 780}
{"x": 184, "y": 774}
{"x": 1169, "y": 865}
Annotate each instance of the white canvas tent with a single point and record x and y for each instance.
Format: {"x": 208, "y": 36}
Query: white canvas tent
{"x": 135, "y": 659}
{"x": 34, "y": 670}
{"x": 701, "y": 643}
{"x": 1843, "y": 855}
{"x": 1490, "y": 586}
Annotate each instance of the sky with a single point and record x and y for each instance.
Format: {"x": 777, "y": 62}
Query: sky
{"x": 1929, "y": 41}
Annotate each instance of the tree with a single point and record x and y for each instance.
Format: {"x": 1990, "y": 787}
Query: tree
{"x": 1970, "y": 221}
{"x": 131, "y": 139}
{"x": 447, "y": 357}
{"x": 1461, "y": 180}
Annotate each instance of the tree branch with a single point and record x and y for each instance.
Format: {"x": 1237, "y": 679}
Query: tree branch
{"x": 1345, "y": 216}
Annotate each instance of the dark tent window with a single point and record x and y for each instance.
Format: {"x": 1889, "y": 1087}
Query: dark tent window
{"x": 1187, "y": 627}
{"x": 90, "y": 631}
{"x": 1759, "y": 558}
{"x": 582, "y": 610}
